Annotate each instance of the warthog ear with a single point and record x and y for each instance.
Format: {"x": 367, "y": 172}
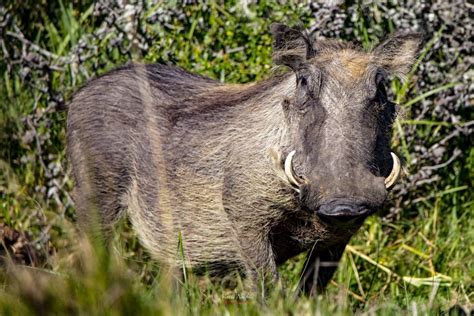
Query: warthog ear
{"x": 397, "y": 53}
{"x": 291, "y": 47}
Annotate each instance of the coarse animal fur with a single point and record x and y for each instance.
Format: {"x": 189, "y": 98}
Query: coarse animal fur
{"x": 188, "y": 157}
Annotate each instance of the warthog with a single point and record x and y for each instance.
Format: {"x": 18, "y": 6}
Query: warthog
{"x": 245, "y": 176}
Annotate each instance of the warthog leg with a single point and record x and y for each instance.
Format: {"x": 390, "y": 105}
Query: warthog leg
{"x": 319, "y": 268}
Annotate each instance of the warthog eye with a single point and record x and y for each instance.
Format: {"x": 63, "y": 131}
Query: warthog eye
{"x": 302, "y": 81}
{"x": 379, "y": 78}
{"x": 380, "y": 92}
{"x": 308, "y": 82}
{"x": 302, "y": 77}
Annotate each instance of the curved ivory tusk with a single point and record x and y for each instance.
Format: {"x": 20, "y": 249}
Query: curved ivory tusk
{"x": 290, "y": 173}
{"x": 393, "y": 176}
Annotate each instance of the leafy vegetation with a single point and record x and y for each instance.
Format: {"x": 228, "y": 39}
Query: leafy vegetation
{"x": 414, "y": 258}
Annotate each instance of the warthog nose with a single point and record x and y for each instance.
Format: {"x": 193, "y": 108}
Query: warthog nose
{"x": 342, "y": 212}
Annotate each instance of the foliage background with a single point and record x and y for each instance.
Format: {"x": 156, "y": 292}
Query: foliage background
{"x": 416, "y": 256}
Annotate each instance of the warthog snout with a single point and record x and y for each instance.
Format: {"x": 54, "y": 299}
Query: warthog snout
{"x": 342, "y": 197}
{"x": 337, "y": 205}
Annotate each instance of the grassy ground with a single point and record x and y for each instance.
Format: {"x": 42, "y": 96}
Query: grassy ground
{"x": 416, "y": 259}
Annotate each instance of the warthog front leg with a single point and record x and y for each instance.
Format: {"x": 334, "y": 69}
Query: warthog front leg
{"x": 260, "y": 267}
{"x": 319, "y": 268}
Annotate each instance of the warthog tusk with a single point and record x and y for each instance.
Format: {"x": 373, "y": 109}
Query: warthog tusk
{"x": 295, "y": 181}
{"x": 393, "y": 176}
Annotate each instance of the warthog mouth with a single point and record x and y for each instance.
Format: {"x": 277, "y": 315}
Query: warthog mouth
{"x": 344, "y": 211}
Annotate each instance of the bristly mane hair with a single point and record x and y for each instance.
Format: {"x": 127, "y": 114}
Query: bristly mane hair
{"x": 325, "y": 46}
{"x": 198, "y": 96}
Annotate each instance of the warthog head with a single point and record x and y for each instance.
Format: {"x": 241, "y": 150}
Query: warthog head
{"x": 340, "y": 119}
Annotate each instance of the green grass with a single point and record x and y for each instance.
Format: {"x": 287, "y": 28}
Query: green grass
{"x": 420, "y": 263}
